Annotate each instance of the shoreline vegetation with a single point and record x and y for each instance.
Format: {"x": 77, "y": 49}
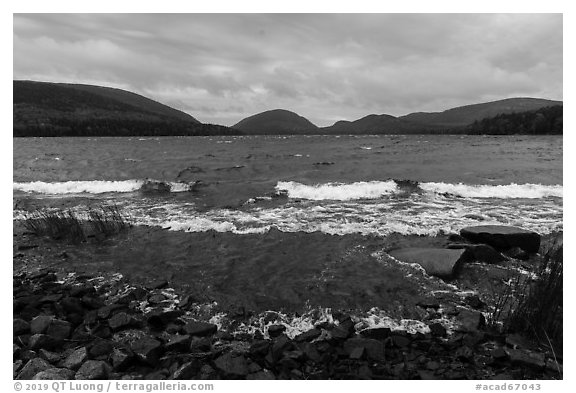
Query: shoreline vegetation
{"x": 100, "y": 324}
{"x": 42, "y": 109}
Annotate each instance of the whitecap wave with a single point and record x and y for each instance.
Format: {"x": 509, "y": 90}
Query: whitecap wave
{"x": 95, "y": 186}
{"x": 378, "y": 189}
{"x": 527, "y": 191}
{"x": 338, "y": 191}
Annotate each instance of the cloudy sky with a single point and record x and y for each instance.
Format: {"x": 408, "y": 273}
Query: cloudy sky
{"x": 221, "y": 68}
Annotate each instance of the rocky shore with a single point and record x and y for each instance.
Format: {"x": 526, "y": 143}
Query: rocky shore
{"x": 70, "y": 325}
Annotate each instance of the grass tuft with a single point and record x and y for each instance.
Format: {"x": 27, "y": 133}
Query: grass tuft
{"x": 71, "y": 226}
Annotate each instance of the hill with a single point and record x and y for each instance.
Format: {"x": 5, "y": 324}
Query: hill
{"x": 464, "y": 115}
{"x": 277, "y": 121}
{"x": 62, "y": 109}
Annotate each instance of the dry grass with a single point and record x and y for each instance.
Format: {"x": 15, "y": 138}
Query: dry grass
{"x": 69, "y": 225}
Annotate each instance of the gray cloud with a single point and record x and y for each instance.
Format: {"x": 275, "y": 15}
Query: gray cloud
{"x": 223, "y": 67}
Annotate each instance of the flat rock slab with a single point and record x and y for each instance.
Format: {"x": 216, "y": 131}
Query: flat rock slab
{"x": 503, "y": 237}
{"x": 443, "y": 263}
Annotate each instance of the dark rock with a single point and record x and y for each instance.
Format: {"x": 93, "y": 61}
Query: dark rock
{"x": 107, "y": 311}
{"x": 310, "y": 351}
{"x": 280, "y": 345}
{"x": 156, "y": 298}
{"x": 72, "y": 305}
{"x": 197, "y": 328}
{"x": 232, "y": 365}
{"x": 121, "y": 359}
{"x": 503, "y": 237}
{"x": 376, "y": 333}
{"x": 40, "y": 324}
{"x": 38, "y": 341}
{"x": 178, "y": 343}
{"x": 357, "y": 353}
{"x": 443, "y": 263}
{"x": 188, "y": 370}
{"x": 374, "y": 349}
{"x": 16, "y": 366}
{"x": 119, "y": 321}
{"x": 517, "y": 253}
{"x": 524, "y": 357}
{"x": 400, "y": 341}
{"x": 20, "y": 326}
{"x": 499, "y": 353}
{"x": 437, "y": 330}
{"x": 92, "y": 369}
{"x": 82, "y": 290}
{"x": 137, "y": 293}
{"x": 464, "y": 353}
{"x": 309, "y": 335}
{"x": 51, "y": 298}
{"x": 479, "y": 252}
{"x": 100, "y": 348}
{"x": 470, "y": 321}
{"x": 92, "y": 302}
{"x": 75, "y": 359}
{"x": 259, "y": 348}
{"x": 159, "y": 318}
{"x": 59, "y": 330}
{"x": 276, "y": 330}
{"x": 24, "y": 247}
{"x": 261, "y": 375}
{"x": 474, "y": 302}
{"x": 147, "y": 349}
{"x": 33, "y": 367}
{"x": 55, "y": 374}
{"x": 344, "y": 330}
{"x": 200, "y": 344}
{"x": 50, "y": 357}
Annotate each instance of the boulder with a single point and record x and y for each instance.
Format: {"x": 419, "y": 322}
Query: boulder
{"x": 198, "y": 328}
{"x": 503, "y": 237}
{"x": 75, "y": 359}
{"x": 55, "y": 374}
{"x": 92, "y": 369}
{"x": 40, "y": 324}
{"x": 59, "y": 330}
{"x": 374, "y": 349}
{"x": 20, "y": 326}
{"x": 231, "y": 365}
{"x": 443, "y": 263}
{"x": 38, "y": 341}
{"x": 479, "y": 252}
{"x": 276, "y": 330}
{"x": 308, "y": 335}
{"x": 33, "y": 367}
{"x": 147, "y": 349}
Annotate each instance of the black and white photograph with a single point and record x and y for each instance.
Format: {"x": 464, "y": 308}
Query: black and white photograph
{"x": 287, "y": 196}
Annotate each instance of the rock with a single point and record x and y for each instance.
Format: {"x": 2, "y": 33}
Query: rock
{"x": 75, "y": 359}
{"x": 82, "y": 289}
{"x": 55, "y": 373}
{"x": 357, "y": 353}
{"x": 310, "y": 351}
{"x": 178, "y": 343}
{"x": 261, "y": 375}
{"x": 121, "y": 359}
{"x": 470, "y": 321}
{"x": 376, "y": 333}
{"x": 400, "y": 341}
{"x": 188, "y": 370}
{"x": 232, "y": 365}
{"x": 119, "y": 321}
{"x": 474, "y": 302}
{"x": 20, "y": 326}
{"x": 38, "y": 341}
{"x": 72, "y": 305}
{"x": 158, "y": 318}
{"x": 276, "y": 330}
{"x": 33, "y": 367}
{"x": 374, "y": 349}
{"x": 59, "y": 330}
{"x": 92, "y": 369}
{"x": 499, "y": 353}
{"x": 40, "y": 324}
{"x": 200, "y": 344}
{"x": 524, "y": 357}
{"x": 443, "y": 263}
{"x": 197, "y": 328}
{"x": 147, "y": 349}
{"x": 259, "y": 348}
{"x": 156, "y": 298}
{"x": 503, "y": 237}
{"x": 158, "y": 284}
{"x": 437, "y": 330}
{"x": 517, "y": 253}
{"x": 464, "y": 353}
{"x": 479, "y": 252}
{"x": 309, "y": 335}
{"x": 50, "y": 357}
{"x": 100, "y": 348}
{"x": 344, "y": 330}
{"x": 16, "y": 367}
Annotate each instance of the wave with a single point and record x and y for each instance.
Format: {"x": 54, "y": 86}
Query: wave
{"x": 378, "y": 189}
{"x": 101, "y": 186}
{"x": 338, "y": 191}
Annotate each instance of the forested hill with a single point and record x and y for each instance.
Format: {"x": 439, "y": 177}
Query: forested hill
{"x": 59, "y": 109}
{"x": 543, "y": 121}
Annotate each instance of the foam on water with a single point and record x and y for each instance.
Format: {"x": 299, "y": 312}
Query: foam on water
{"x": 378, "y": 189}
{"x": 92, "y": 186}
{"x": 338, "y": 191}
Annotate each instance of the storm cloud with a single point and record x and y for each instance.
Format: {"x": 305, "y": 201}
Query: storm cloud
{"x": 221, "y": 68}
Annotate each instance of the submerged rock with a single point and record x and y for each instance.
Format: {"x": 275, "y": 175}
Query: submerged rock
{"x": 443, "y": 263}
{"x": 503, "y": 237}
